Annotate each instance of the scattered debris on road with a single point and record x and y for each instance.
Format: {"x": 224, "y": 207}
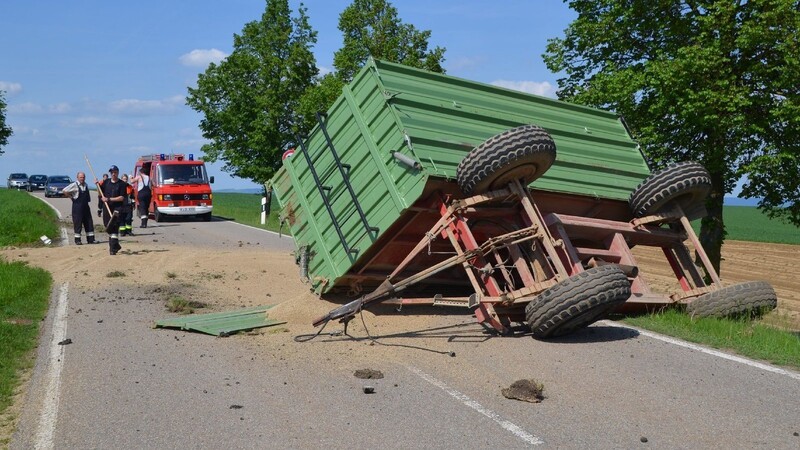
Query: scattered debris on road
{"x": 368, "y": 374}
{"x": 525, "y": 390}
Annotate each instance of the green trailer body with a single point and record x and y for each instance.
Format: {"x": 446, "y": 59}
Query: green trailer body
{"x": 418, "y": 187}
{"x": 433, "y": 120}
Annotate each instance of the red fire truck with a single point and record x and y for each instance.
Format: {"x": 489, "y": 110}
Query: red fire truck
{"x": 180, "y": 186}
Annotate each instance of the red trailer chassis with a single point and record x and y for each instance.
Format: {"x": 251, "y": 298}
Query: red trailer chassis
{"x": 512, "y": 248}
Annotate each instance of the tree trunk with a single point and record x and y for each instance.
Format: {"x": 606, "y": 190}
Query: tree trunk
{"x": 712, "y": 227}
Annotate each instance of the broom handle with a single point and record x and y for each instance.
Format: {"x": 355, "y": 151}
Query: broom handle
{"x": 97, "y": 185}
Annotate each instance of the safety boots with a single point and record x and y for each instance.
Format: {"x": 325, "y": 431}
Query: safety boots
{"x": 113, "y": 246}
{"x": 78, "y": 241}
{"x": 144, "y": 222}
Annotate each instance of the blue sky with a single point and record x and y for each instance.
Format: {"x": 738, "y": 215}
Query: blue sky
{"x": 108, "y": 79}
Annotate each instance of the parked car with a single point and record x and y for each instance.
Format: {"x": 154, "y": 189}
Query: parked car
{"x": 36, "y": 182}
{"x": 55, "y": 185}
{"x": 17, "y": 181}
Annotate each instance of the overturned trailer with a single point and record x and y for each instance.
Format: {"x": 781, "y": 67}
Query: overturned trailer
{"x": 417, "y": 187}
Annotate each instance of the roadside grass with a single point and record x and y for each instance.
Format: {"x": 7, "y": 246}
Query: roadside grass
{"x": 23, "y": 219}
{"x": 24, "y": 290}
{"x": 750, "y": 338}
{"x": 246, "y": 209}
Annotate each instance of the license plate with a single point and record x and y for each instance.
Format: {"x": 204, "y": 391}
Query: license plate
{"x": 187, "y": 209}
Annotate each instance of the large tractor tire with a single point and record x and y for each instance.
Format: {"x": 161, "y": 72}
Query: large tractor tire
{"x": 685, "y": 184}
{"x": 744, "y": 299}
{"x": 523, "y": 153}
{"x": 577, "y": 302}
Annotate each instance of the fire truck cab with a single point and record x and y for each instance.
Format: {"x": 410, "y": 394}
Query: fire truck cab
{"x": 180, "y": 186}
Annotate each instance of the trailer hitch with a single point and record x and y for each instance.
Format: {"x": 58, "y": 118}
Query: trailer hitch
{"x": 348, "y": 311}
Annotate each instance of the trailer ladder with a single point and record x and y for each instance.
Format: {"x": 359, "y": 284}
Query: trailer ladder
{"x": 324, "y": 190}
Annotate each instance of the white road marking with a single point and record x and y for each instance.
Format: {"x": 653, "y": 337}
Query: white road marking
{"x": 280, "y": 235}
{"x": 516, "y": 430}
{"x": 708, "y": 351}
{"x": 47, "y": 421}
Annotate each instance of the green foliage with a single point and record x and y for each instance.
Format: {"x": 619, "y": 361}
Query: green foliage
{"x": 715, "y": 83}
{"x": 746, "y": 337}
{"x": 23, "y": 219}
{"x": 370, "y": 28}
{"x": 5, "y": 130}
{"x": 24, "y": 296}
{"x": 248, "y": 101}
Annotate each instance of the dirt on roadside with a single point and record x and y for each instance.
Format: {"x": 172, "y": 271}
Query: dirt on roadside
{"x": 249, "y": 276}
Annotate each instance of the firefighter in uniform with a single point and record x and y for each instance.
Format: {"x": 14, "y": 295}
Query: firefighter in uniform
{"x": 143, "y": 194}
{"x": 113, "y": 192}
{"x": 126, "y": 227}
{"x": 78, "y": 191}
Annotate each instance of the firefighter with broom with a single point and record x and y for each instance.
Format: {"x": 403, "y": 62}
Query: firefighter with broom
{"x": 112, "y": 192}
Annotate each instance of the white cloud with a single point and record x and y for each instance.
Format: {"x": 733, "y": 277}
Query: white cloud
{"x": 25, "y": 130}
{"x": 25, "y": 108}
{"x": 202, "y": 57}
{"x": 324, "y": 70}
{"x": 90, "y": 121}
{"x": 543, "y": 88}
{"x": 135, "y": 106}
{"x": 10, "y": 88}
{"x": 59, "y": 108}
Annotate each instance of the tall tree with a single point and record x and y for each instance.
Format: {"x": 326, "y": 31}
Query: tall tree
{"x": 248, "y": 101}
{"x": 5, "y": 130}
{"x": 715, "y": 81}
{"x": 372, "y": 28}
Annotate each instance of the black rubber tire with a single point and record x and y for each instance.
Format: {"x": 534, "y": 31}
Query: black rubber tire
{"x": 577, "y": 302}
{"x": 686, "y": 184}
{"x": 157, "y": 215}
{"x": 522, "y": 153}
{"x": 205, "y": 217}
{"x": 751, "y": 299}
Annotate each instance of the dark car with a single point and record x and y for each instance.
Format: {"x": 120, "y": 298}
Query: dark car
{"x": 17, "y": 181}
{"x": 55, "y": 185}
{"x": 36, "y": 182}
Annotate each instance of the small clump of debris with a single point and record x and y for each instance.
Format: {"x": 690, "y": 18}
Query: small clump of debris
{"x": 525, "y": 390}
{"x": 368, "y": 374}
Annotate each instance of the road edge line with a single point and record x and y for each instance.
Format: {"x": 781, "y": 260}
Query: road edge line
{"x": 706, "y": 350}
{"x": 47, "y": 419}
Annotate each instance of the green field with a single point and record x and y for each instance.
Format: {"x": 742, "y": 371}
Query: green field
{"x": 747, "y": 223}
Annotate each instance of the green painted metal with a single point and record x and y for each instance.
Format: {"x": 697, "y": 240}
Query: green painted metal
{"x": 435, "y": 120}
{"x": 222, "y": 323}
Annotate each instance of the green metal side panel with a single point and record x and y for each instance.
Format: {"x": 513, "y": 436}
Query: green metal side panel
{"x": 436, "y": 120}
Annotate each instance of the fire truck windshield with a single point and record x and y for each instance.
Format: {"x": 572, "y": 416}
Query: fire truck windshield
{"x": 182, "y": 174}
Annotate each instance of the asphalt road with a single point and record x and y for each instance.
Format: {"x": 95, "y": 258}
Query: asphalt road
{"x": 127, "y": 386}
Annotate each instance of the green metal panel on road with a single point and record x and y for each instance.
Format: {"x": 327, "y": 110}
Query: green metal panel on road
{"x": 435, "y": 120}
{"x": 222, "y": 323}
